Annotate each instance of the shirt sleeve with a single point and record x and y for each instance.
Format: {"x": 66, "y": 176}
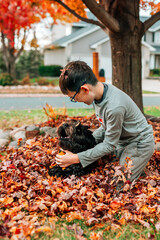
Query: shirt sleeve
{"x": 98, "y": 134}
{"x": 114, "y": 123}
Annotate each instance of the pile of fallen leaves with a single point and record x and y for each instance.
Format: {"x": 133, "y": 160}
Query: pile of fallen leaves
{"x": 31, "y": 201}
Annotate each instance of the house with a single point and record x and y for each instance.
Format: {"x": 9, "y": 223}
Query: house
{"x": 85, "y": 39}
{"x": 152, "y": 37}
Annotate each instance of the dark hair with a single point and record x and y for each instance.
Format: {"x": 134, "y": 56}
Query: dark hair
{"x": 74, "y": 75}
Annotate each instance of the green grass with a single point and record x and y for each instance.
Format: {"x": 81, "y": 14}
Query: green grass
{"x": 155, "y": 75}
{"x": 149, "y": 92}
{"x": 63, "y": 230}
{"x": 10, "y": 119}
{"x": 17, "y": 118}
{"x": 154, "y": 111}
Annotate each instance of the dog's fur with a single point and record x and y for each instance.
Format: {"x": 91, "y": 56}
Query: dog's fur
{"x": 74, "y": 137}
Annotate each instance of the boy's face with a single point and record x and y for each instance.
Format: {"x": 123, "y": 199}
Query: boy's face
{"x": 84, "y": 95}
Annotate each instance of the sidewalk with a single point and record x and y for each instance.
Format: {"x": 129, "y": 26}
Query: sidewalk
{"x": 150, "y": 85}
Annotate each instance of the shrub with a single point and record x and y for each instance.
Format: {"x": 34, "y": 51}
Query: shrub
{"x": 26, "y": 80}
{"x": 155, "y": 71}
{"x": 6, "y": 79}
{"x": 50, "y": 70}
{"x": 42, "y": 81}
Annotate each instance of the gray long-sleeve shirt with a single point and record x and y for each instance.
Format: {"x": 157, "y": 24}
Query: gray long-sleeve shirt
{"x": 122, "y": 121}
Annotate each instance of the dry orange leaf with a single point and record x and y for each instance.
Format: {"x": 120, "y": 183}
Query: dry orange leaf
{"x": 73, "y": 215}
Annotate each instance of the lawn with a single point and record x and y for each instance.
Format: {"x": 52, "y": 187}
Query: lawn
{"x": 10, "y": 119}
{"x": 58, "y": 228}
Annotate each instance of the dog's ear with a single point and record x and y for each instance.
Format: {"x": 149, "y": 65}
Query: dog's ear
{"x": 77, "y": 124}
{"x": 78, "y": 128}
{"x": 61, "y": 130}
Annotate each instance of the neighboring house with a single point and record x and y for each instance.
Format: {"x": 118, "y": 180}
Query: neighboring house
{"x": 152, "y": 37}
{"x": 87, "y": 38}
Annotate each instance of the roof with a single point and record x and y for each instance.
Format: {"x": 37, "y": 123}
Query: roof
{"x": 75, "y": 35}
{"x": 151, "y": 48}
{"x": 94, "y": 46}
{"x": 87, "y": 28}
{"x": 156, "y": 49}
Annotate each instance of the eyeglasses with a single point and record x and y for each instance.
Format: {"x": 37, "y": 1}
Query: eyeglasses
{"x": 72, "y": 99}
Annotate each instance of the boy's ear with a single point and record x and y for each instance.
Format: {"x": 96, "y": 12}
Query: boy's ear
{"x": 85, "y": 88}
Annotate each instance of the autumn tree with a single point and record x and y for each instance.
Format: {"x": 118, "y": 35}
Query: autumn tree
{"x": 121, "y": 21}
{"x": 17, "y": 17}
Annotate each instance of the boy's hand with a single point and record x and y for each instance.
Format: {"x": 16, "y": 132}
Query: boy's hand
{"x": 66, "y": 159}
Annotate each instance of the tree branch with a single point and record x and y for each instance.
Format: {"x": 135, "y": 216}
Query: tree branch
{"x": 110, "y": 22}
{"x": 148, "y": 23}
{"x": 78, "y": 16}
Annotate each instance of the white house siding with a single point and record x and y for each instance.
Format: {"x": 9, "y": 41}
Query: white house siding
{"x": 152, "y": 61}
{"x": 81, "y": 50}
{"x": 68, "y": 53}
{"x": 82, "y": 45}
{"x": 83, "y": 57}
{"x": 157, "y": 60}
{"x": 55, "y": 57}
{"x": 105, "y": 60}
{"x": 149, "y": 37}
{"x": 145, "y": 61}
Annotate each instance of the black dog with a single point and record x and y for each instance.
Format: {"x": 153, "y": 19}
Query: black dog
{"x": 74, "y": 137}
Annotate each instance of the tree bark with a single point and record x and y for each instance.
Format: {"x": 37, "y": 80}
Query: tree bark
{"x": 11, "y": 68}
{"x": 126, "y": 64}
{"x": 9, "y": 56}
{"x": 126, "y": 49}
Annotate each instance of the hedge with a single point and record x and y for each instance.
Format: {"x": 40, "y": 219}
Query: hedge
{"x": 155, "y": 71}
{"x": 50, "y": 70}
{"x": 6, "y": 79}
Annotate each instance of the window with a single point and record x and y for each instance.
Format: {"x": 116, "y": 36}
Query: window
{"x": 144, "y": 37}
{"x": 153, "y": 37}
{"x": 157, "y": 37}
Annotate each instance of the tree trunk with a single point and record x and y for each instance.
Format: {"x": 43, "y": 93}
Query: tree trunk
{"x": 10, "y": 65}
{"x": 9, "y": 55}
{"x": 126, "y": 50}
{"x": 126, "y": 64}
{"x": 11, "y": 68}
{"x": 120, "y": 19}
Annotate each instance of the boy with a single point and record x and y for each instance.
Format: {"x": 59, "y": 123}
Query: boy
{"x": 123, "y": 130}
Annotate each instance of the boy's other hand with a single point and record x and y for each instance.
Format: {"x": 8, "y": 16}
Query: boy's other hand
{"x": 67, "y": 159}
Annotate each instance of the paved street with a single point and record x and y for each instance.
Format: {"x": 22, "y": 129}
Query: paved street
{"x": 30, "y": 102}
{"x": 37, "y": 101}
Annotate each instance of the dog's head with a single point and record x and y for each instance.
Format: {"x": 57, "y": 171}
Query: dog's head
{"x": 75, "y": 137}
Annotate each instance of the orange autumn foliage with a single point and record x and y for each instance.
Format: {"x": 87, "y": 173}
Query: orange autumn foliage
{"x": 31, "y": 201}
{"x": 153, "y": 5}
{"x": 18, "y": 15}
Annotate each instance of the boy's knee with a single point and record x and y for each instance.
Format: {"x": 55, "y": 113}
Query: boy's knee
{"x": 140, "y": 154}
